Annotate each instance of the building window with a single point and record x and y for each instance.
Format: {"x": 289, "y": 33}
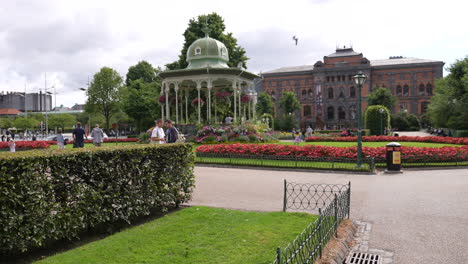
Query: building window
{"x": 341, "y": 113}
{"x": 379, "y": 76}
{"x": 330, "y": 93}
{"x": 338, "y": 78}
{"x": 352, "y": 91}
{"x": 330, "y": 113}
{"x": 402, "y": 76}
{"x": 399, "y": 91}
{"x": 350, "y": 77}
{"x": 311, "y": 94}
{"x": 304, "y": 93}
{"x": 333, "y": 78}
{"x": 424, "y": 107}
{"x": 341, "y": 92}
{"x": 429, "y": 89}
{"x": 422, "y": 89}
{"x": 306, "y": 109}
{"x": 425, "y": 74}
{"x": 405, "y": 90}
{"x": 197, "y": 51}
{"x": 328, "y": 78}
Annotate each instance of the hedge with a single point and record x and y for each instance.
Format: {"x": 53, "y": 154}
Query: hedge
{"x": 375, "y": 121}
{"x": 51, "y": 195}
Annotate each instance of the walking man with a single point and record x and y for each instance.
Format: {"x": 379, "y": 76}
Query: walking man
{"x": 158, "y": 136}
{"x": 171, "y": 132}
{"x": 98, "y": 136}
{"x": 78, "y": 136}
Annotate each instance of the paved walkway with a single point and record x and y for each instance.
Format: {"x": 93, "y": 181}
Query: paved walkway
{"x": 421, "y": 133}
{"x": 422, "y": 216}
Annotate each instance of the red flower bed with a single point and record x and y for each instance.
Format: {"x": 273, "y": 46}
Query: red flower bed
{"x": 26, "y": 145}
{"x": 409, "y": 154}
{"x": 431, "y": 139}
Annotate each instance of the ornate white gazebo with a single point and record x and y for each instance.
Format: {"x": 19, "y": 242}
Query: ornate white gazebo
{"x": 208, "y": 73}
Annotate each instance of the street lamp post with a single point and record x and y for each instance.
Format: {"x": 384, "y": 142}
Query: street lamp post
{"x": 359, "y": 79}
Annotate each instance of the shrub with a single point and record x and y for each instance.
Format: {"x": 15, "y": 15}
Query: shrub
{"x": 460, "y": 133}
{"x": 376, "y": 121}
{"x": 51, "y": 195}
{"x": 405, "y": 122}
{"x": 144, "y": 137}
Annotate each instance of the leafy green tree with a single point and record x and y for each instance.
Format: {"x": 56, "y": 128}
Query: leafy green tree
{"x": 405, "y": 122}
{"x": 6, "y": 123}
{"x": 217, "y": 31}
{"x": 289, "y": 103}
{"x": 141, "y": 71}
{"x": 61, "y": 120}
{"x": 103, "y": 94}
{"x": 265, "y": 104}
{"x": 377, "y": 120}
{"x": 382, "y": 96}
{"x": 25, "y": 123}
{"x": 449, "y": 106}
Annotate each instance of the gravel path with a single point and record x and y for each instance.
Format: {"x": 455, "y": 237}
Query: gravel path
{"x": 422, "y": 216}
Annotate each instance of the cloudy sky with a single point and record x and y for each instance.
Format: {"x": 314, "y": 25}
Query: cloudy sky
{"x": 71, "y": 40}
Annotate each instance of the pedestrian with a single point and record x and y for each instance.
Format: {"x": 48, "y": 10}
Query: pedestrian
{"x": 12, "y": 145}
{"x": 3, "y": 137}
{"x": 78, "y": 136}
{"x": 98, "y": 135}
{"x": 157, "y": 135}
{"x": 297, "y": 137}
{"x": 171, "y": 133}
{"x": 60, "y": 139}
{"x": 309, "y": 131}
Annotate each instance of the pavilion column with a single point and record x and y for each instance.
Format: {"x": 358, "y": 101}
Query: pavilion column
{"x": 176, "y": 89}
{"x": 208, "y": 110}
{"x": 239, "y": 91}
{"x": 168, "y": 113}
{"x": 186, "y": 106}
{"x": 234, "y": 89}
{"x": 162, "y": 106}
{"x": 215, "y": 112}
{"x": 199, "y": 106}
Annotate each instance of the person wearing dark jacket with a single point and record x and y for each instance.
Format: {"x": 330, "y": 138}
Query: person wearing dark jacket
{"x": 171, "y": 133}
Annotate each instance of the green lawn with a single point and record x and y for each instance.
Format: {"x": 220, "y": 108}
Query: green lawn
{"x": 195, "y": 235}
{"x": 370, "y": 144}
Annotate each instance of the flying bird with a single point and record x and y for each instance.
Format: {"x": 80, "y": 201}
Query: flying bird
{"x": 295, "y": 39}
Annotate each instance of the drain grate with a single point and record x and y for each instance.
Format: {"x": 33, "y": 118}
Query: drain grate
{"x": 363, "y": 258}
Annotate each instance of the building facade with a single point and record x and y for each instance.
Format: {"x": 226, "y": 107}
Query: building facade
{"x": 328, "y": 94}
{"x": 31, "y": 102}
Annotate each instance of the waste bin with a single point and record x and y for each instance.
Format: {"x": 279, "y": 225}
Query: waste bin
{"x": 393, "y": 156}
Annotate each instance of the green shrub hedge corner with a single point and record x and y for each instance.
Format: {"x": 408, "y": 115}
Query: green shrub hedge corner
{"x": 375, "y": 121}
{"x": 51, "y": 195}
{"x": 460, "y": 133}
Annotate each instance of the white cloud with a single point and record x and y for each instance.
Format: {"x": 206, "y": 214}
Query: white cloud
{"x": 72, "y": 40}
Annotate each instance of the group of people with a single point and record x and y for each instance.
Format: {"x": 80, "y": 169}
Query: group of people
{"x": 158, "y": 136}
{"x": 299, "y": 135}
{"x": 79, "y": 135}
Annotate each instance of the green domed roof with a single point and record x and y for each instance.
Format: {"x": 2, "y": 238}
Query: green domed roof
{"x": 207, "y": 52}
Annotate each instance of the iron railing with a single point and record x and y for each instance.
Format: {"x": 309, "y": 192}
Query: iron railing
{"x": 299, "y": 162}
{"x": 440, "y": 160}
{"x": 308, "y": 246}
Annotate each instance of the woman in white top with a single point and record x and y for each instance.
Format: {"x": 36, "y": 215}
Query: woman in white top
{"x": 158, "y": 136}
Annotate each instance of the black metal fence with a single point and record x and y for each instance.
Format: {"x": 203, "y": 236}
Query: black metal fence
{"x": 333, "y": 204}
{"x": 299, "y": 162}
{"x": 427, "y": 161}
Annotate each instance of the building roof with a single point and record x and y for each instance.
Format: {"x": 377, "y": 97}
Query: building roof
{"x": 344, "y": 52}
{"x": 291, "y": 69}
{"x": 400, "y": 61}
{"x": 207, "y": 52}
{"x": 9, "y": 111}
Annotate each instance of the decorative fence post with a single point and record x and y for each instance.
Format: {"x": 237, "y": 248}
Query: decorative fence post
{"x": 349, "y": 198}
{"x": 284, "y": 196}
{"x": 278, "y": 255}
{"x": 335, "y": 205}
{"x": 320, "y": 231}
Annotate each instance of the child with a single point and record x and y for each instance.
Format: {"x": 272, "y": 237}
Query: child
{"x": 60, "y": 140}
{"x": 297, "y": 138}
{"x": 12, "y": 145}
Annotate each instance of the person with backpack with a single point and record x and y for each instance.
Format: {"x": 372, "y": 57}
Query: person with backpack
{"x": 171, "y": 133}
{"x": 98, "y": 136}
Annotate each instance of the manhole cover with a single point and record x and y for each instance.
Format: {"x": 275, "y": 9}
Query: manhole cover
{"x": 363, "y": 258}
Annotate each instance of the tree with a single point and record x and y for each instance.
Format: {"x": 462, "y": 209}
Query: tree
{"x": 265, "y": 104}
{"x": 377, "y": 120}
{"x": 382, "y": 96}
{"x": 25, "y": 123}
{"x": 103, "y": 94}
{"x": 141, "y": 71}
{"x": 217, "y": 28}
{"x": 6, "y": 123}
{"x": 289, "y": 103}
{"x": 449, "y": 106}
{"x": 61, "y": 120}
{"x": 405, "y": 122}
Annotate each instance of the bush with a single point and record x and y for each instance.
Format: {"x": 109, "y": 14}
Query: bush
{"x": 376, "y": 121}
{"x": 460, "y": 133}
{"x": 144, "y": 138}
{"x": 52, "y": 195}
{"x": 405, "y": 122}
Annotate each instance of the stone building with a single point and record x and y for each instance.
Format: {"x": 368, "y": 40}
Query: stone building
{"x": 328, "y": 94}
{"x": 31, "y": 102}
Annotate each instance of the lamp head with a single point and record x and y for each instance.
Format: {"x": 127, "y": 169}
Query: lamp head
{"x": 360, "y": 78}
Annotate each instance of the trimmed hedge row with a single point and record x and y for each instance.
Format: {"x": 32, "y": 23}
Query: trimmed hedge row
{"x": 50, "y": 195}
